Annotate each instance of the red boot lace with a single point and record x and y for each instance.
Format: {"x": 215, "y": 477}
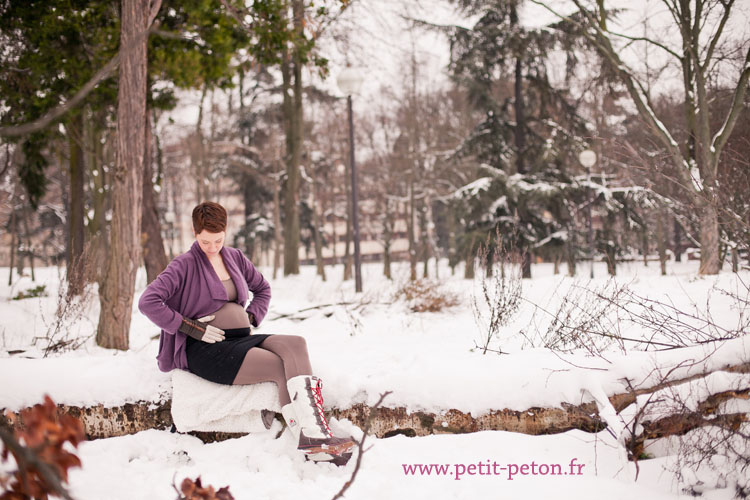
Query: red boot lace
{"x": 319, "y": 404}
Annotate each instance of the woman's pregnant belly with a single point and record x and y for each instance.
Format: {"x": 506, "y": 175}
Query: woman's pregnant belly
{"x": 230, "y": 315}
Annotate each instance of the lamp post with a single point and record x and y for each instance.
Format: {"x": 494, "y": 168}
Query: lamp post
{"x": 349, "y": 82}
{"x": 588, "y": 159}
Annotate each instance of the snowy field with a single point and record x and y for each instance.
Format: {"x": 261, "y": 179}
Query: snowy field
{"x": 365, "y": 345}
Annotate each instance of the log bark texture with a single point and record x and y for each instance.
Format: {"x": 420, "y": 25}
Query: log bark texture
{"x": 101, "y": 422}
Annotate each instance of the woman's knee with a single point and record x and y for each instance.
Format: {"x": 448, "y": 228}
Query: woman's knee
{"x": 296, "y": 342}
{"x": 286, "y": 343}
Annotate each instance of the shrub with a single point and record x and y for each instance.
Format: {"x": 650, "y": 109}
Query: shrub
{"x": 426, "y": 296}
{"x": 37, "y": 291}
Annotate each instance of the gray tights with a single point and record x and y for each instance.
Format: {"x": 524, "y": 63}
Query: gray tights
{"x": 276, "y": 359}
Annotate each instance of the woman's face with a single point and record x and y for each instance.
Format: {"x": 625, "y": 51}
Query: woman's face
{"x": 210, "y": 242}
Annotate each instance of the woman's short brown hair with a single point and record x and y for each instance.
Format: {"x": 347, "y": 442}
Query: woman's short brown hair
{"x": 211, "y": 216}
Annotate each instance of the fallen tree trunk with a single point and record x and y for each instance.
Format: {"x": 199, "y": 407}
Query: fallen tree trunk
{"x": 102, "y": 422}
{"x": 394, "y": 421}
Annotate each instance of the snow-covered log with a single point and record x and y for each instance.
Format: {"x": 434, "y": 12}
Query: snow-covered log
{"x": 101, "y": 422}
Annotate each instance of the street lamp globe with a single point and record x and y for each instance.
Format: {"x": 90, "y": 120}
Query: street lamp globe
{"x": 349, "y": 81}
{"x": 587, "y": 158}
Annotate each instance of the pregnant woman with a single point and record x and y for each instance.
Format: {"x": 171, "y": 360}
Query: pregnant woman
{"x": 198, "y": 302}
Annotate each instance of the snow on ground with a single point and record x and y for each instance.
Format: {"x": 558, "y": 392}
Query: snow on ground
{"x": 360, "y": 348}
{"x": 257, "y": 466}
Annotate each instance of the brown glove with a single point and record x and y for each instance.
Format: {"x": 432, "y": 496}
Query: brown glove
{"x": 199, "y": 330}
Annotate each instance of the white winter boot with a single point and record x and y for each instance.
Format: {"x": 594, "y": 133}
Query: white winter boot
{"x": 314, "y": 436}
{"x": 290, "y": 417}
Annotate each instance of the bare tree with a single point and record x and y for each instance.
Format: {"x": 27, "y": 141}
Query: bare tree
{"x": 701, "y": 27}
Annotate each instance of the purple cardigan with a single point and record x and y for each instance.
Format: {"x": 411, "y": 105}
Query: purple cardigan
{"x": 189, "y": 287}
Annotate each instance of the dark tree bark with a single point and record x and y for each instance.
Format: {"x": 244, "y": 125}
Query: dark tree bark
{"x": 709, "y": 238}
{"x": 411, "y": 230}
{"x": 116, "y": 292}
{"x": 518, "y": 104}
{"x": 570, "y": 250}
{"x": 526, "y": 258}
{"x": 291, "y": 70}
{"x": 677, "y": 241}
{"x": 248, "y": 193}
{"x": 76, "y": 230}
{"x": 97, "y": 230}
{"x": 198, "y": 155}
{"x": 154, "y": 256}
{"x": 317, "y": 236}
{"x": 452, "y": 225}
{"x": 13, "y": 242}
{"x": 278, "y": 241}
{"x": 469, "y": 258}
{"x": 661, "y": 240}
{"x": 26, "y": 215}
{"x": 424, "y": 243}
{"x": 610, "y": 246}
{"x": 388, "y": 223}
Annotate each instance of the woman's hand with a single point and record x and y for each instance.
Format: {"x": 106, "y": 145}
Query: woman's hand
{"x": 199, "y": 330}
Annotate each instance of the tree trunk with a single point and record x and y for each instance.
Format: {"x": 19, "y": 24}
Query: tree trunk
{"x": 159, "y": 154}
{"x": 197, "y": 156}
{"x": 518, "y": 105}
{"x": 520, "y": 132}
{"x": 610, "y": 243}
{"x": 452, "y": 247}
{"x": 677, "y": 241}
{"x": 526, "y": 258}
{"x": 317, "y": 238}
{"x": 76, "y": 233}
{"x": 248, "y": 193}
{"x": 469, "y": 258}
{"x": 410, "y": 228}
{"x": 334, "y": 236}
{"x": 424, "y": 244}
{"x": 661, "y": 240}
{"x": 27, "y": 214}
{"x": 348, "y": 235}
{"x": 97, "y": 227}
{"x": 116, "y": 294}
{"x": 154, "y": 256}
{"x": 292, "y": 67}
{"x": 709, "y": 238}
{"x": 277, "y": 236}
{"x": 213, "y": 189}
{"x": 387, "y": 260}
{"x": 570, "y": 252}
{"x": 13, "y": 244}
{"x": 387, "y": 238}
{"x": 611, "y": 261}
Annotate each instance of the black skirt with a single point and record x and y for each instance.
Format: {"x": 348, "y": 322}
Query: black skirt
{"x": 219, "y": 362}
